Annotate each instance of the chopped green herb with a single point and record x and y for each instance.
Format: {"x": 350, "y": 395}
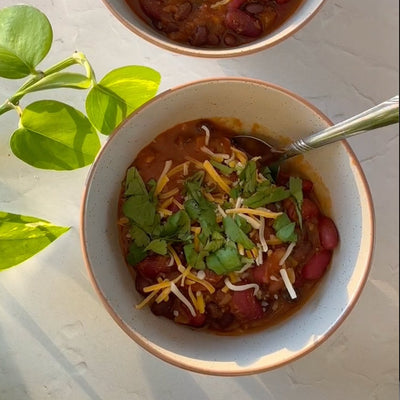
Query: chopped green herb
{"x": 225, "y": 260}
{"x": 296, "y": 190}
{"x": 285, "y": 228}
{"x": 195, "y": 259}
{"x": 158, "y": 246}
{"x": 222, "y": 167}
{"x": 234, "y": 233}
{"x": 248, "y": 178}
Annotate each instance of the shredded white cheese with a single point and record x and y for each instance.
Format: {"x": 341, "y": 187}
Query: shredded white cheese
{"x": 182, "y": 298}
{"x": 207, "y": 131}
{"x": 221, "y": 211}
{"x": 287, "y": 283}
{"x": 287, "y": 253}
{"x": 216, "y": 156}
{"x": 239, "y": 202}
{"x": 239, "y": 288}
{"x": 219, "y": 3}
{"x": 264, "y": 244}
{"x": 259, "y": 259}
{"x": 244, "y": 268}
{"x": 251, "y": 220}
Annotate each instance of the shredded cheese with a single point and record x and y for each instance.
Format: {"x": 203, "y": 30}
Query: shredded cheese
{"x": 240, "y": 155}
{"x": 168, "y": 194}
{"x": 163, "y": 179}
{"x": 145, "y": 301}
{"x": 178, "y": 168}
{"x": 215, "y": 177}
{"x": 263, "y": 243}
{"x": 221, "y": 211}
{"x": 182, "y": 298}
{"x": 207, "y": 132}
{"x": 287, "y": 283}
{"x": 262, "y": 212}
{"x": 252, "y": 221}
{"x": 219, "y": 3}
{"x": 216, "y": 156}
{"x": 287, "y": 253}
{"x": 239, "y": 288}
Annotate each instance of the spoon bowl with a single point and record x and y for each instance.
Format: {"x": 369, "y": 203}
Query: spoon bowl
{"x": 386, "y": 113}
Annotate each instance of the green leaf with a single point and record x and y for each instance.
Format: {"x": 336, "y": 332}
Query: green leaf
{"x": 222, "y": 167}
{"x": 61, "y": 80}
{"x": 139, "y": 236}
{"x": 234, "y": 233}
{"x": 195, "y": 259}
{"x": 140, "y": 210}
{"x": 159, "y": 246}
{"x": 248, "y": 178}
{"x": 267, "y": 194}
{"x": 118, "y": 94}
{"x": 134, "y": 184}
{"x": 25, "y": 39}
{"x": 21, "y": 237}
{"x": 135, "y": 254}
{"x": 296, "y": 190}
{"x": 177, "y": 227}
{"x": 54, "y": 135}
{"x": 224, "y": 260}
{"x": 284, "y": 228}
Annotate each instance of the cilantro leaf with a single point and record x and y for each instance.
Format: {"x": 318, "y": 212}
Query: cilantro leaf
{"x": 234, "y": 233}
{"x": 177, "y": 226}
{"x": 158, "y": 246}
{"x": 222, "y": 167}
{"x": 216, "y": 242}
{"x": 135, "y": 254}
{"x": 248, "y": 178}
{"x": 195, "y": 259}
{"x": 296, "y": 190}
{"x": 224, "y": 260}
{"x": 284, "y": 228}
{"x": 266, "y": 194}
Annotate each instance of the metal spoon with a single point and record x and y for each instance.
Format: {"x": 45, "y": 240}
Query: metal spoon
{"x": 386, "y": 113}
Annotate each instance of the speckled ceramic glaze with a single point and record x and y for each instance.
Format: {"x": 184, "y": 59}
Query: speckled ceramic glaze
{"x": 303, "y": 14}
{"x": 258, "y": 104}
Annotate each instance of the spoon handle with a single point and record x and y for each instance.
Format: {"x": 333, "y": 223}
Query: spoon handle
{"x": 383, "y": 114}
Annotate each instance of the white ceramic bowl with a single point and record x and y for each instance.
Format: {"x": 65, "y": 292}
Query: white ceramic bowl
{"x": 256, "y": 104}
{"x": 300, "y": 17}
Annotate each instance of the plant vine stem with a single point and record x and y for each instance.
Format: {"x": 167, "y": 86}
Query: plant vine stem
{"x": 76, "y": 58}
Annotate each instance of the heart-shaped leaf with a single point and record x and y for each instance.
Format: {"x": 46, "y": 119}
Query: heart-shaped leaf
{"x": 21, "y": 237}
{"x": 25, "y": 39}
{"x": 120, "y": 93}
{"x": 54, "y": 135}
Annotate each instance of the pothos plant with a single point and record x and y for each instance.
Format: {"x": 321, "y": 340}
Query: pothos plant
{"x": 53, "y": 135}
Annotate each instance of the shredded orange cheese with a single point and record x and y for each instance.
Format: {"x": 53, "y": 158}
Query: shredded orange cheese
{"x": 215, "y": 177}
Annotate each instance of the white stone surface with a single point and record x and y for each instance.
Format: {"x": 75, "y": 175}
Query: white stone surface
{"x": 56, "y": 339}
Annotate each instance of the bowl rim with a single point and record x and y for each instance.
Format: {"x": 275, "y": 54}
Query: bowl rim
{"x": 249, "y": 48}
{"x": 216, "y": 371}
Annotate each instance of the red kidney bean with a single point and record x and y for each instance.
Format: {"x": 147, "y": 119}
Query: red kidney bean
{"x": 328, "y": 234}
{"x": 254, "y": 8}
{"x": 309, "y": 209}
{"x": 243, "y": 23}
{"x": 236, "y": 3}
{"x": 316, "y": 265}
{"x": 200, "y": 36}
{"x": 307, "y": 186}
{"x": 282, "y": 1}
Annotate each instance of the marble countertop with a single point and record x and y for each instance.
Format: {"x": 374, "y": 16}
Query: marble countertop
{"x": 56, "y": 339}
